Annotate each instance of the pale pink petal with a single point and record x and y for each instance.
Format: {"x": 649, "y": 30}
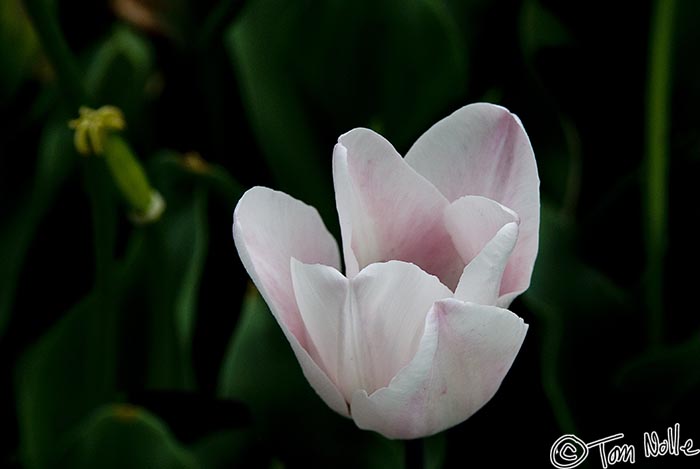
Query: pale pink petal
{"x": 463, "y": 356}
{"x": 390, "y": 302}
{"x": 481, "y": 279}
{"x": 366, "y": 333}
{"x": 473, "y": 222}
{"x": 269, "y": 228}
{"x": 388, "y": 211}
{"x": 482, "y": 149}
{"x": 322, "y": 293}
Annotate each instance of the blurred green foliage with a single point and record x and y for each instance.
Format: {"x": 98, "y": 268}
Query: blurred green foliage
{"x": 15, "y": 61}
{"x": 144, "y": 346}
{"x": 124, "y": 436}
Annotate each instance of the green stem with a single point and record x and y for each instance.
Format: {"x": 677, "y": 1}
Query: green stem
{"x": 573, "y": 177}
{"x": 57, "y": 51}
{"x": 414, "y": 454}
{"x": 656, "y": 162}
{"x": 103, "y": 318}
{"x": 54, "y": 45}
{"x": 128, "y": 174}
{"x": 216, "y": 177}
{"x": 551, "y": 345}
{"x": 104, "y": 221}
{"x": 550, "y": 351}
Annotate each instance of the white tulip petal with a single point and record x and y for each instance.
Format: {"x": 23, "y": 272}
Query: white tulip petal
{"x": 388, "y": 211}
{"x": 269, "y": 229}
{"x": 322, "y": 294}
{"x": 390, "y": 301}
{"x": 367, "y": 329}
{"x": 472, "y": 221}
{"x": 482, "y": 149}
{"x": 465, "y": 353}
{"x": 481, "y": 280}
{"x": 475, "y": 224}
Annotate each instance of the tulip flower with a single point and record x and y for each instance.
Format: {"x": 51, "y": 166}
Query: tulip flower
{"x": 416, "y": 336}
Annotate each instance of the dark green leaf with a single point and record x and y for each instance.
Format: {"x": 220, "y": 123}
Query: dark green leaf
{"x": 215, "y": 177}
{"x": 561, "y": 280}
{"x": 18, "y": 46}
{"x": 119, "y": 73}
{"x": 396, "y": 67}
{"x": 164, "y": 287}
{"x": 69, "y": 372}
{"x": 257, "y": 43}
{"x": 55, "y": 162}
{"x": 125, "y": 436}
{"x": 186, "y": 299}
{"x": 392, "y": 65}
{"x": 570, "y": 301}
{"x": 225, "y": 449}
{"x": 663, "y": 376}
{"x": 540, "y": 29}
{"x": 420, "y": 54}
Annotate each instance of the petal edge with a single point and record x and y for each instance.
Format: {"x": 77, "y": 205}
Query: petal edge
{"x": 465, "y": 353}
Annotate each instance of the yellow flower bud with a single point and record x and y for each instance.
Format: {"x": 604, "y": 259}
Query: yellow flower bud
{"x": 92, "y": 128}
{"x": 94, "y": 134}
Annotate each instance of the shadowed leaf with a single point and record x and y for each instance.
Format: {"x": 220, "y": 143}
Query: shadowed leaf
{"x": 125, "y": 436}
{"x": 56, "y": 160}
{"x": 68, "y": 373}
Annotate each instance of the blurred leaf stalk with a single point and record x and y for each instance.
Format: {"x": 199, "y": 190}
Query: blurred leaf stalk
{"x": 656, "y": 163}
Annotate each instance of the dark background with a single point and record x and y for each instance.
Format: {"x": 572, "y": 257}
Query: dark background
{"x": 144, "y": 346}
